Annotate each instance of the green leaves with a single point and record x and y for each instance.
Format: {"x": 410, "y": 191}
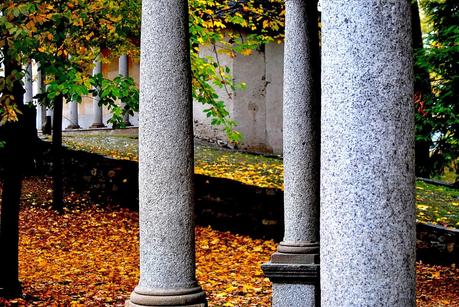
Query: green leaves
{"x": 112, "y": 92}
{"x": 438, "y": 113}
{"x": 66, "y": 37}
{"x": 218, "y": 26}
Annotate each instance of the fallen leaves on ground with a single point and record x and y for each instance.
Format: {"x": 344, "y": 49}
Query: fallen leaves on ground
{"x": 251, "y": 169}
{"x": 437, "y": 285}
{"x": 88, "y": 256}
{"x": 119, "y": 147}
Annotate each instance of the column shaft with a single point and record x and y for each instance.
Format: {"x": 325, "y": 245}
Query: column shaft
{"x": 167, "y": 253}
{"x": 28, "y": 84}
{"x": 123, "y": 69}
{"x": 367, "y": 217}
{"x": 294, "y": 267}
{"x": 73, "y": 115}
{"x": 97, "y": 109}
{"x": 40, "y": 90}
{"x": 301, "y": 122}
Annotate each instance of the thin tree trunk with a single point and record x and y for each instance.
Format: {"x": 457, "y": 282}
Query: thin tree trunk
{"x": 58, "y": 191}
{"x": 13, "y": 158}
{"x": 9, "y": 234}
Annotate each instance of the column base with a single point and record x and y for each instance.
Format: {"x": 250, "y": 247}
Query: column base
{"x": 73, "y": 127}
{"x": 294, "y": 271}
{"x": 97, "y": 126}
{"x": 294, "y": 262}
{"x": 296, "y": 253}
{"x": 192, "y": 297}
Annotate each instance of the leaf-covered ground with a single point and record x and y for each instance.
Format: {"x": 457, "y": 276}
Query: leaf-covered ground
{"x": 88, "y": 256}
{"x": 435, "y": 204}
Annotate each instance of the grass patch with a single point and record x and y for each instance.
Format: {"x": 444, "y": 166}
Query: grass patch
{"x": 437, "y": 204}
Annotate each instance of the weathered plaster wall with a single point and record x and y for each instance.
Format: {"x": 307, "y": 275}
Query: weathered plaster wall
{"x": 257, "y": 109}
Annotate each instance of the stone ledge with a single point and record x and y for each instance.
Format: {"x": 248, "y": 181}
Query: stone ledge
{"x": 439, "y": 183}
{"x": 291, "y": 273}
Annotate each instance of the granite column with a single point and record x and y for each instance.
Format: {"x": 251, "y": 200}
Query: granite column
{"x": 28, "y": 84}
{"x": 41, "y": 90}
{"x": 294, "y": 268}
{"x": 167, "y": 243}
{"x": 367, "y": 216}
{"x": 123, "y": 70}
{"x": 73, "y": 115}
{"x": 97, "y": 109}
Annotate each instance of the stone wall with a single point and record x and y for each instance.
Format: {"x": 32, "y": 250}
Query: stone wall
{"x": 437, "y": 244}
{"x": 258, "y": 108}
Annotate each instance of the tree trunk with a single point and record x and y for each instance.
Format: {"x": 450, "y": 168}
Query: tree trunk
{"x": 13, "y": 156}
{"x": 58, "y": 190}
{"x": 9, "y": 233}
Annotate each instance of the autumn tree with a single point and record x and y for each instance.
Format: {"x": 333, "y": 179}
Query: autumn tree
{"x": 58, "y": 34}
{"x": 70, "y": 36}
{"x": 18, "y": 136}
{"x": 230, "y": 28}
{"x": 437, "y": 119}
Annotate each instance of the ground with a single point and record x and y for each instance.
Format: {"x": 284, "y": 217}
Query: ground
{"x": 88, "y": 256}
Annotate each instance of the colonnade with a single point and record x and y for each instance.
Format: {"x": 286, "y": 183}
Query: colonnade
{"x": 349, "y": 158}
{"x": 98, "y": 120}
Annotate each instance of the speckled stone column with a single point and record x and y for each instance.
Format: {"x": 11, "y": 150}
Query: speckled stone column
{"x": 73, "y": 115}
{"x": 294, "y": 268}
{"x": 123, "y": 70}
{"x": 28, "y": 84}
{"x": 40, "y": 90}
{"x": 97, "y": 109}
{"x": 167, "y": 243}
{"x": 367, "y": 216}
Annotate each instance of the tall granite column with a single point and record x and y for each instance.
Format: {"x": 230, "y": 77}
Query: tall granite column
{"x": 294, "y": 268}
{"x": 123, "y": 70}
{"x": 97, "y": 109}
{"x": 28, "y": 84}
{"x": 367, "y": 216}
{"x": 73, "y": 118}
{"x": 167, "y": 253}
{"x": 40, "y": 90}
{"x": 48, "y": 126}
